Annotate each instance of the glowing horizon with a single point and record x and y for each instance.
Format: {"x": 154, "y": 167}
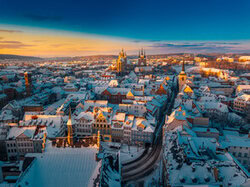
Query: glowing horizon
{"x": 40, "y": 42}
{"x": 48, "y": 43}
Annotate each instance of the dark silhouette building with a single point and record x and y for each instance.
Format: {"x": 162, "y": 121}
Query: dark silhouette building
{"x": 28, "y": 83}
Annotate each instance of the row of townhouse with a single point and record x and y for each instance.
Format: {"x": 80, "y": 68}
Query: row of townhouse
{"x": 116, "y": 95}
{"x": 238, "y": 146}
{"x": 241, "y": 105}
{"x": 31, "y": 133}
{"x": 114, "y": 127}
{"x": 136, "y": 108}
{"x": 192, "y": 118}
{"x": 24, "y": 140}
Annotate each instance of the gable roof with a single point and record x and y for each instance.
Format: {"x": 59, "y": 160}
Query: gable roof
{"x": 16, "y": 131}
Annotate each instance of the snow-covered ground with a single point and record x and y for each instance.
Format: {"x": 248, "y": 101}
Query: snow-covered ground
{"x": 154, "y": 179}
{"x": 61, "y": 167}
{"x": 130, "y": 153}
{"x": 127, "y": 153}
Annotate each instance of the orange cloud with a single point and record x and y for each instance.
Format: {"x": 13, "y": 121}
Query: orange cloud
{"x": 46, "y": 43}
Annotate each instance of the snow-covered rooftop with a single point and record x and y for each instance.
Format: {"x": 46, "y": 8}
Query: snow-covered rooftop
{"x": 61, "y": 167}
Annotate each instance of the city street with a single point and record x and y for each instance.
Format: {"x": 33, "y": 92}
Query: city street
{"x": 145, "y": 165}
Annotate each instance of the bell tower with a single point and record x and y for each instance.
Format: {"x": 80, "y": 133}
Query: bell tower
{"x": 142, "y": 61}
{"x": 28, "y": 83}
{"x": 182, "y": 77}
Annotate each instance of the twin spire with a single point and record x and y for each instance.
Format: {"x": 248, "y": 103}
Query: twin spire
{"x": 123, "y": 53}
{"x": 142, "y": 53}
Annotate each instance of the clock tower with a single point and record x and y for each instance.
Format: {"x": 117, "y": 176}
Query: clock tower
{"x": 182, "y": 77}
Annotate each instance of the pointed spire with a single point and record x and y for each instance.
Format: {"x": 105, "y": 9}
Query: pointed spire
{"x": 183, "y": 66}
{"x": 144, "y": 54}
{"x": 122, "y": 52}
{"x": 139, "y": 53}
{"x": 69, "y": 120}
{"x": 70, "y": 130}
{"x": 69, "y": 113}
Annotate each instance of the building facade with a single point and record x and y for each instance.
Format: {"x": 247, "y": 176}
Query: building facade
{"x": 23, "y": 140}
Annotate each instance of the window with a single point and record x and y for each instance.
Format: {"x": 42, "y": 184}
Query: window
{"x": 245, "y": 155}
{"x": 239, "y": 155}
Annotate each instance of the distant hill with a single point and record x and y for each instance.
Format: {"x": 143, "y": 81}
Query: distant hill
{"x": 18, "y": 57}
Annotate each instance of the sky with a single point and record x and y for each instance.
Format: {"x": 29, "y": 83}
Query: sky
{"x": 87, "y": 27}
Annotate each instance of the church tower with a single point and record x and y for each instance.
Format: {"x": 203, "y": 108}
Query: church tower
{"x": 182, "y": 77}
{"x": 28, "y": 83}
{"x": 142, "y": 61}
{"x": 121, "y": 62}
{"x": 70, "y": 130}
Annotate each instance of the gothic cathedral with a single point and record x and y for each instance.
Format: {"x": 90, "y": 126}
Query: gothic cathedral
{"x": 142, "y": 61}
{"x": 121, "y": 62}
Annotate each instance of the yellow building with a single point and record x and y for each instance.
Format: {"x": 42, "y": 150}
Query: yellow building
{"x": 244, "y": 59}
{"x": 102, "y": 124}
{"x": 187, "y": 89}
{"x": 121, "y": 62}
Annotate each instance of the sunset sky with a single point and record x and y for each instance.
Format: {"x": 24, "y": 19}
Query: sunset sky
{"x": 74, "y": 28}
